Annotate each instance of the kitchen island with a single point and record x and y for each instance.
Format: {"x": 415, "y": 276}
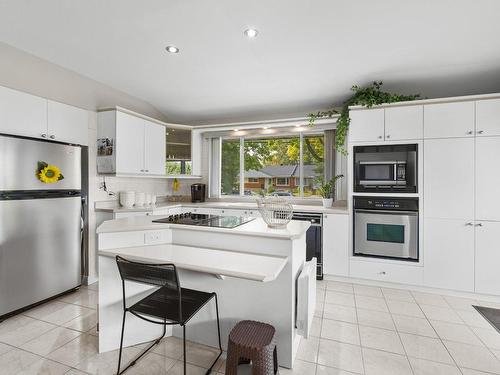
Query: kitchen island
{"x": 251, "y": 267}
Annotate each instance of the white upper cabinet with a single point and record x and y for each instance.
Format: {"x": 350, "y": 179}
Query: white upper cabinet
{"x": 366, "y": 125}
{"x": 404, "y": 123}
{"x": 487, "y": 258}
{"x": 488, "y": 117}
{"x": 447, "y": 120}
{"x": 449, "y": 254}
{"x": 449, "y": 178}
{"x": 487, "y": 178}
{"x": 22, "y": 114}
{"x": 138, "y": 145}
{"x": 154, "y": 148}
{"x": 67, "y": 123}
{"x": 129, "y": 144}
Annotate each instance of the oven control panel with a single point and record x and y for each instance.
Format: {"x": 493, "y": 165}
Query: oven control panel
{"x": 388, "y": 203}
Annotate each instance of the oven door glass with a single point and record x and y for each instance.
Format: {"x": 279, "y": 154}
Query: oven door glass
{"x": 377, "y": 174}
{"x": 387, "y": 234}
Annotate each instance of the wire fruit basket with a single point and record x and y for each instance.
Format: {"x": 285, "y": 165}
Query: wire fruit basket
{"x": 276, "y": 212}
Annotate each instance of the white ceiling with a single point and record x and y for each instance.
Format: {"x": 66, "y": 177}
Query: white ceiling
{"x": 306, "y": 57}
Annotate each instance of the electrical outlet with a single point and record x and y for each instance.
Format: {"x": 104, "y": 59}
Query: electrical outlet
{"x": 153, "y": 237}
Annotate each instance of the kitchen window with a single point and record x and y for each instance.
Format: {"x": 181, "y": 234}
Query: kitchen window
{"x": 284, "y": 165}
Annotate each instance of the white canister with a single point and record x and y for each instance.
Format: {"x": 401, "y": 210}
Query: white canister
{"x": 140, "y": 199}
{"x": 153, "y": 199}
{"x": 148, "y": 199}
{"x": 127, "y": 199}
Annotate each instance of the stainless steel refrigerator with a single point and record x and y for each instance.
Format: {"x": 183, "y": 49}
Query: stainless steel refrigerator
{"x": 40, "y": 224}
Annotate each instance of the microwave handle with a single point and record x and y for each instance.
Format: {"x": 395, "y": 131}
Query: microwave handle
{"x": 409, "y": 213}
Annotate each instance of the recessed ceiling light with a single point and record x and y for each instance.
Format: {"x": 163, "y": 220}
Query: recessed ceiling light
{"x": 172, "y": 49}
{"x": 265, "y": 127}
{"x": 251, "y": 33}
{"x": 236, "y": 130}
{"x": 297, "y": 126}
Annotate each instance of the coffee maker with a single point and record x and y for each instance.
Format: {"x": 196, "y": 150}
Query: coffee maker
{"x": 198, "y": 193}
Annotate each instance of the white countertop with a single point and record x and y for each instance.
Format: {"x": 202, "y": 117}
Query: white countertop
{"x": 256, "y": 227}
{"x": 219, "y": 204}
{"x": 218, "y": 262}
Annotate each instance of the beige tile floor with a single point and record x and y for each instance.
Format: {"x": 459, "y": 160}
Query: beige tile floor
{"x": 357, "y": 330}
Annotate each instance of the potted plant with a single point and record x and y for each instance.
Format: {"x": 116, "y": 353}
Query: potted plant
{"x": 327, "y": 189}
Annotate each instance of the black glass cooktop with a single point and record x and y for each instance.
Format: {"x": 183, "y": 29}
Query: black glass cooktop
{"x": 205, "y": 220}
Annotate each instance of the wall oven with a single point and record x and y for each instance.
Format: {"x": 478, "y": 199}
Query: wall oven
{"x": 385, "y": 168}
{"x": 386, "y": 228}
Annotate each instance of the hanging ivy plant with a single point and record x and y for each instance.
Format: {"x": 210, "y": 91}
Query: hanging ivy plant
{"x": 365, "y": 96}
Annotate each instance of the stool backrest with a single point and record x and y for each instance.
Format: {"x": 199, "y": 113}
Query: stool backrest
{"x": 159, "y": 275}
{"x": 162, "y": 275}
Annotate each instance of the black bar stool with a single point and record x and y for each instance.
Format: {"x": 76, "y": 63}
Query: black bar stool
{"x": 170, "y": 303}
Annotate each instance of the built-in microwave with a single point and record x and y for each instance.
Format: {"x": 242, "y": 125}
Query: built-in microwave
{"x": 382, "y": 173}
{"x": 385, "y": 168}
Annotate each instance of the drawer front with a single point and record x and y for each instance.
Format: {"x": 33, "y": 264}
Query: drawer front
{"x": 386, "y": 272}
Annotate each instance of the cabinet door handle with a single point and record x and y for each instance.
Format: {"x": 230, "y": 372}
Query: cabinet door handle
{"x": 379, "y": 137}
{"x": 52, "y": 136}
{"x": 146, "y": 170}
{"x": 469, "y": 224}
{"x": 142, "y": 170}
{"x": 388, "y": 136}
{"x": 480, "y": 131}
{"x": 479, "y": 225}
{"x": 44, "y": 135}
{"x": 470, "y": 132}
{"x": 382, "y": 272}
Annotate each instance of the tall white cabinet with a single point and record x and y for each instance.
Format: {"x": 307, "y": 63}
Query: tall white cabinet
{"x": 459, "y": 199}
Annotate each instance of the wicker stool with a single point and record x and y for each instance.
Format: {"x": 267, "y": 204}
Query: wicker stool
{"x": 254, "y": 342}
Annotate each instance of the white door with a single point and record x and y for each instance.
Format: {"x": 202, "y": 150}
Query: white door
{"x": 22, "y": 114}
{"x": 336, "y": 244}
{"x": 449, "y": 178}
{"x": 487, "y": 178}
{"x": 67, "y": 123}
{"x": 366, "y": 125}
{"x": 449, "y": 254}
{"x": 488, "y": 117}
{"x": 129, "y": 144}
{"x": 404, "y": 123}
{"x": 446, "y": 120}
{"x": 154, "y": 148}
{"x": 487, "y": 258}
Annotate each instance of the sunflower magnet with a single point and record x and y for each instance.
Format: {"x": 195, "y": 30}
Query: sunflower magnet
{"x": 48, "y": 174}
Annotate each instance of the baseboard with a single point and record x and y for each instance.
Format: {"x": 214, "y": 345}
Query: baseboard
{"x": 417, "y": 288}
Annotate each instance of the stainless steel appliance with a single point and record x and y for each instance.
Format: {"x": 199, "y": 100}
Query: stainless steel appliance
{"x": 40, "y": 224}
{"x": 198, "y": 192}
{"x": 205, "y": 220}
{"x": 385, "y": 168}
{"x": 314, "y": 238}
{"x": 382, "y": 173}
{"x": 386, "y": 227}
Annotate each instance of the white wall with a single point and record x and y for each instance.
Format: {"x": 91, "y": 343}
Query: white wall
{"x": 24, "y": 72}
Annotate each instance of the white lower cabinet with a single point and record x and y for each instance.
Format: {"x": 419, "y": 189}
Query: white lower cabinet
{"x": 449, "y": 254}
{"x": 336, "y": 244}
{"x": 385, "y": 271}
{"x": 487, "y": 263}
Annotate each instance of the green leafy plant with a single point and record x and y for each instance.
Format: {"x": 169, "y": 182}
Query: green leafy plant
{"x": 365, "y": 96}
{"x": 327, "y": 188}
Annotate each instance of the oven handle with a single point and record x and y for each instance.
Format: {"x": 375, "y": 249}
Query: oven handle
{"x": 410, "y": 213}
